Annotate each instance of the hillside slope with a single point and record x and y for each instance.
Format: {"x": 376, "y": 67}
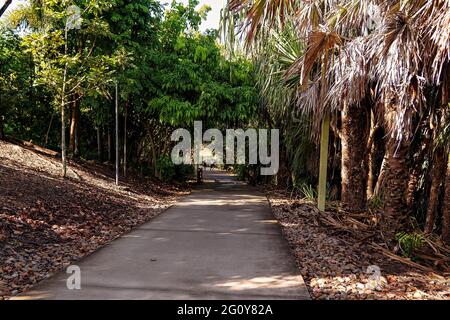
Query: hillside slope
{"x": 47, "y": 222}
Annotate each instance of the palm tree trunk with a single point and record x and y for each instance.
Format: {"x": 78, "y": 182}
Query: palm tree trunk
{"x": 354, "y": 135}
{"x": 371, "y": 159}
{"x": 446, "y": 209}
{"x": 411, "y": 194}
{"x": 445, "y": 98}
{"x": 395, "y": 186}
{"x": 438, "y": 178}
{"x": 324, "y": 139}
{"x": 420, "y": 150}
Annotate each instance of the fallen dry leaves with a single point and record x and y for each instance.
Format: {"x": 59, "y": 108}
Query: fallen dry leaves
{"x": 335, "y": 264}
{"x": 47, "y": 222}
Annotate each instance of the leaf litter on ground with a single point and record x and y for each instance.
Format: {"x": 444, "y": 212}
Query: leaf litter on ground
{"x": 337, "y": 254}
{"x": 47, "y": 222}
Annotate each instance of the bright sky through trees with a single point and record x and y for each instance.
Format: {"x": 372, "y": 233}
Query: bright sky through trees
{"x": 211, "y": 22}
{"x": 13, "y": 5}
{"x": 213, "y": 16}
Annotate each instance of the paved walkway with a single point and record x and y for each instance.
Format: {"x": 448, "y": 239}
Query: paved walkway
{"x": 220, "y": 242}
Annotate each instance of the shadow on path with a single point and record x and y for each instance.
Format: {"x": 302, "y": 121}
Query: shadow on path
{"x": 220, "y": 242}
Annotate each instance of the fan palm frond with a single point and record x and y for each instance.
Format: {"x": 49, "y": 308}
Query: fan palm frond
{"x": 320, "y": 43}
{"x": 263, "y": 12}
{"x": 349, "y": 74}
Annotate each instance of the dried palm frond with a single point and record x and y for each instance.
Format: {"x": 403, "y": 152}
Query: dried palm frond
{"x": 439, "y": 32}
{"x": 309, "y": 16}
{"x": 350, "y": 74}
{"x": 396, "y": 48}
{"x": 307, "y": 100}
{"x": 319, "y": 47}
{"x": 262, "y": 12}
{"x": 353, "y": 18}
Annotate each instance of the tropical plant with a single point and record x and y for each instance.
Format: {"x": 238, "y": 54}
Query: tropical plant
{"x": 367, "y": 64}
{"x": 409, "y": 243}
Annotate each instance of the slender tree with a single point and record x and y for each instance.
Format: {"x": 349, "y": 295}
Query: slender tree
{"x": 5, "y": 6}
{"x": 446, "y": 209}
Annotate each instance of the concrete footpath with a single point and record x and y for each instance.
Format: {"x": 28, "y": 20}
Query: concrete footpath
{"x": 220, "y": 242}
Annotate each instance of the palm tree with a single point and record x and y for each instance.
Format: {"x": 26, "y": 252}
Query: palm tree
{"x": 409, "y": 53}
{"x": 318, "y": 21}
{"x": 363, "y": 57}
{"x": 446, "y": 209}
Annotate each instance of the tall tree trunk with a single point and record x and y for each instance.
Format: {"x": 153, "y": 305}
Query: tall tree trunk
{"x": 63, "y": 111}
{"x": 99, "y": 144}
{"x": 109, "y": 144}
{"x": 153, "y": 155}
{"x": 117, "y": 133}
{"x": 74, "y": 121}
{"x": 395, "y": 186}
{"x": 2, "y": 134}
{"x": 420, "y": 148}
{"x": 354, "y": 135}
{"x": 371, "y": 158}
{"x": 437, "y": 179}
{"x": 380, "y": 180}
{"x": 375, "y": 161}
{"x": 125, "y": 140}
{"x": 413, "y": 181}
{"x": 446, "y": 209}
{"x": 445, "y": 99}
{"x": 324, "y": 139}
{"x": 47, "y": 134}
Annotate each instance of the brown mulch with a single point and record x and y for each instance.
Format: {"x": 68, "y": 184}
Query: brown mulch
{"x": 337, "y": 265}
{"x": 47, "y": 222}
